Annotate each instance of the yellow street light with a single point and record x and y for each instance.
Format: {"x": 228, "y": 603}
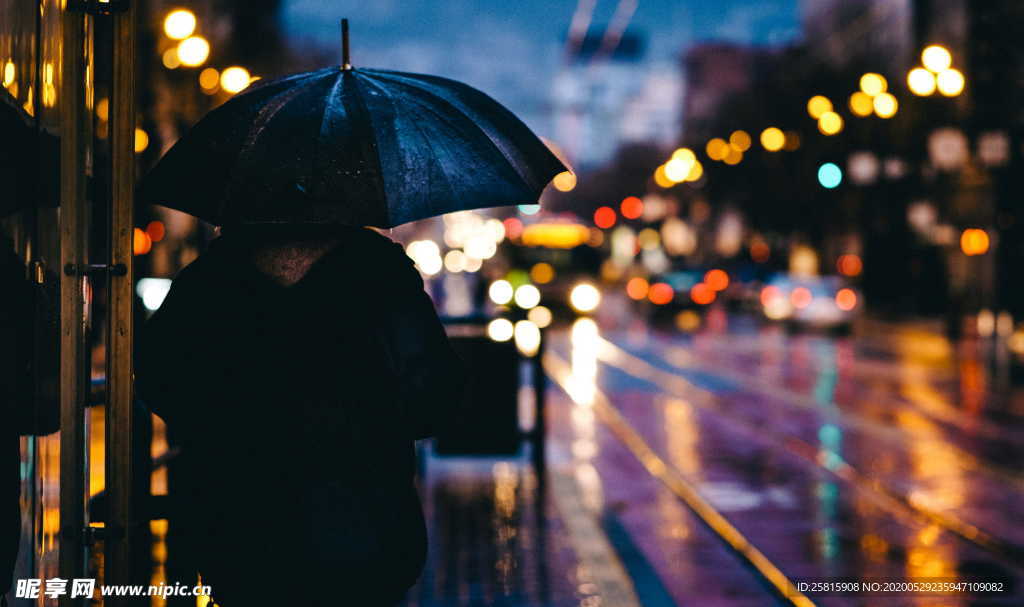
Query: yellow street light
{"x": 661, "y": 178}
{"x": 696, "y": 171}
{"x": 716, "y": 149}
{"x": 873, "y": 84}
{"x": 209, "y": 79}
{"x": 830, "y": 123}
{"x": 772, "y": 139}
{"x": 141, "y": 140}
{"x": 179, "y": 24}
{"x": 170, "y": 59}
{"x": 860, "y": 104}
{"x": 885, "y": 105}
{"x": 234, "y": 79}
{"x": 733, "y": 157}
{"x": 950, "y": 82}
{"x": 818, "y": 105}
{"x": 921, "y": 82}
{"x": 740, "y": 140}
{"x": 193, "y": 52}
{"x": 564, "y": 181}
{"x": 936, "y": 58}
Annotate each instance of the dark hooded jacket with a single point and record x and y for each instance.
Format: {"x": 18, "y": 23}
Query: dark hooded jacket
{"x": 16, "y": 307}
{"x": 296, "y": 408}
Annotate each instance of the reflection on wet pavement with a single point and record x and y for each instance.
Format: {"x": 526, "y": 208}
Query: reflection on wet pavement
{"x": 715, "y": 468}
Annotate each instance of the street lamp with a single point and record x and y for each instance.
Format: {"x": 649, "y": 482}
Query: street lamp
{"x": 179, "y": 24}
{"x": 937, "y": 74}
{"x": 193, "y": 51}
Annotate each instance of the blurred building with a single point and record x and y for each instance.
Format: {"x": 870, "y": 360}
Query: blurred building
{"x": 606, "y": 99}
{"x": 714, "y": 72}
{"x": 847, "y": 32}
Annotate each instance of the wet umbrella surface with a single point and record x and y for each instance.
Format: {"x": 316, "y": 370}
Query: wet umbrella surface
{"x": 352, "y": 146}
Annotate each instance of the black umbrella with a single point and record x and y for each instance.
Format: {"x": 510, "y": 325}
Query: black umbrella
{"x": 351, "y": 146}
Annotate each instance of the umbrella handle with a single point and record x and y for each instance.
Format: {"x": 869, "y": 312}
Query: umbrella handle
{"x": 345, "y": 64}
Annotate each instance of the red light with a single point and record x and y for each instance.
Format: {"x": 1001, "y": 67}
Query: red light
{"x": 632, "y": 207}
{"x": 156, "y": 231}
{"x": 637, "y": 288}
{"x": 702, "y": 294}
{"x": 661, "y": 294}
{"x": 604, "y": 217}
{"x": 849, "y": 265}
{"x": 513, "y": 228}
{"x": 768, "y": 294}
{"x": 801, "y": 297}
{"x": 718, "y": 280}
{"x": 759, "y": 251}
{"x": 846, "y": 299}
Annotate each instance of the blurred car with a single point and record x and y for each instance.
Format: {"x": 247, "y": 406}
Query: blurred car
{"x": 820, "y": 303}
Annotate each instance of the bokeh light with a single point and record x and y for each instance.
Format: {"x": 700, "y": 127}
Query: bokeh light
{"x": 830, "y": 175}
{"x": 830, "y": 123}
{"x": 740, "y": 140}
{"x": 885, "y": 105}
{"x": 849, "y": 265}
{"x": 846, "y": 299}
{"x": 861, "y": 104}
{"x": 564, "y": 181}
{"x": 716, "y": 280}
{"x": 773, "y": 139}
{"x": 637, "y": 288}
{"x": 974, "y": 241}
{"x": 585, "y": 297}
{"x": 818, "y": 105}
{"x": 661, "y": 293}
{"x": 936, "y": 58}
{"x": 801, "y": 297}
{"x": 501, "y": 292}
{"x": 193, "y": 52}
{"x": 540, "y": 316}
{"x": 702, "y": 294}
{"x": 209, "y": 79}
{"x": 234, "y": 79}
{"x": 179, "y": 24}
{"x": 141, "y": 140}
{"x": 604, "y": 217}
{"x": 527, "y": 296}
{"x": 873, "y": 84}
{"x": 921, "y": 82}
{"x": 716, "y": 149}
{"x": 500, "y": 329}
{"x": 542, "y": 273}
{"x": 950, "y": 82}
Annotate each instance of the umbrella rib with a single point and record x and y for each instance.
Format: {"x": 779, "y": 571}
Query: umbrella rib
{"x": 358, "y": 100}
{"x": 508, "y": 161}
{"x": 428, "y": 140}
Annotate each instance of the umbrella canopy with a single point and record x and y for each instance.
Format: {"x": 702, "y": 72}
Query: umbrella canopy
{"x": 355, "y": 147}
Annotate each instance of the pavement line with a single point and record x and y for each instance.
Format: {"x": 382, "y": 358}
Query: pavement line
{"x": 969, "y": 462}
{"x": 595, "y": 552}
{"x": 558, "y": 369}
{"x": 822, "y": 458}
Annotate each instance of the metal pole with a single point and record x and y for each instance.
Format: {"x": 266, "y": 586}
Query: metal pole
{"x": 121, "y": 513}
{"x": 75, "y": 121}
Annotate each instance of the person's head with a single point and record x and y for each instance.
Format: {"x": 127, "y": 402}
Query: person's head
{"x": 284, "y": 252}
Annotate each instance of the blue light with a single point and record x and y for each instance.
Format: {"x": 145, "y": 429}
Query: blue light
{"x": 830, "y": 175}
{"x": 529, "y": 209}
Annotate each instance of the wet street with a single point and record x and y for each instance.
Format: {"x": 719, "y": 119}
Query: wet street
{"x": 736, "y": 464}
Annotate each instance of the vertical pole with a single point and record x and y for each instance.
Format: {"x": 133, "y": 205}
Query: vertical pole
{"x": 346, "y": 63}
{"x": 74, "y": 379}
{"x": 121, "y": 514}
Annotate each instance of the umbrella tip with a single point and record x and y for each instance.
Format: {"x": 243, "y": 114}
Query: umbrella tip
{"x": 345, "y": 63}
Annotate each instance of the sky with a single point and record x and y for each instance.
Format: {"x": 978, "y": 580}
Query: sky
{"x": 512, "y": 49}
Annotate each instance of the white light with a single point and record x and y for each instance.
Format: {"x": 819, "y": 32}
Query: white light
{"x": 527, "y": 337}
{"x": 527, "y": 296}
{"x": 235, "y": 79}
{"x": 585, "y": 297}
{"x": 431, "y": 265}
{"x": 473, "y": 264}
{"x": 540, "y": 316}
{"x": 455, "y": 261}
{"x": 193, "y": 51}
{"x": 153, "y": 291}
{"x": 495, "y": 228}
{"x": 500, "y": 292}
{"x": 481, "y": 246}
{"x": 179, "y": 24}
{"x": 500, "y": 329}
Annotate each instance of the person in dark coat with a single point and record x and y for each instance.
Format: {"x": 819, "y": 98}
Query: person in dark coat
{"x": 297, "y": 366}
{"x": 16, "y": 306}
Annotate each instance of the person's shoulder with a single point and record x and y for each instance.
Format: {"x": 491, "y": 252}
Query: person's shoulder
{"x": 372, "y": 242}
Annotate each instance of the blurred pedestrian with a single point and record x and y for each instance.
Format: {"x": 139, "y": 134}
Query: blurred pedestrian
{"x": 296, "y": 365}
{"x": 16, "y": 389}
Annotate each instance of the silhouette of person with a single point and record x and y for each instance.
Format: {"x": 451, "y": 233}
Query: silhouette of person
{"x": 16, "y": 390}
{"x": 296, "y": 366}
